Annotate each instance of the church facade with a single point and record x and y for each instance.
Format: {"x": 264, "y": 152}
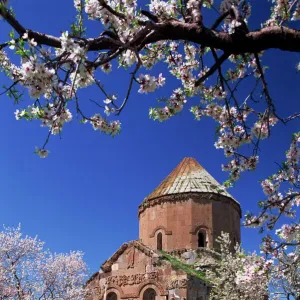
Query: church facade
{"x": 182, "y": 217}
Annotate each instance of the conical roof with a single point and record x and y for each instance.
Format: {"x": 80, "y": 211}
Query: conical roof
{"x": 188, "y": 177}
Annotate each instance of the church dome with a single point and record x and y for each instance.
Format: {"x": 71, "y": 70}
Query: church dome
{"x": 189, "y": 209}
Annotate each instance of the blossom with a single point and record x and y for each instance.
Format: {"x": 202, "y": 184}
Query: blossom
{"x": 32, "y": 43}
{"x": 36, "y": 76}
{"x": 219, "y": 93}
{"x": 106, "y": 67}
{"x": 12, "y": 44}
{"x": 174, "y": 105}
{"x": 289, "y": 233}
{"x": 42, "y": 153}
{"x": 128, "y": 58}
{"x": 269, "y": 187}
{"x": 77, "y": 4}
{"x": 20, "y": 114}
{"x": 25, "y": 36}
{"x": 163, "y": 8}
{"x": 55, "y": 119}
{"x": 261, "y": 128}
{"x": 101, "y": 124}
{"x": 108, "y": 110}
{"x": 233, "y": 25}
{"x": 150, "y": 83}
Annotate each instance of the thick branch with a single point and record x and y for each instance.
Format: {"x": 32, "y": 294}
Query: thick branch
{"x": 275, "y": 37}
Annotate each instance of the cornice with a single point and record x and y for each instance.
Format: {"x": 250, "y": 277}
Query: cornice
{"x": 195, "y": 196}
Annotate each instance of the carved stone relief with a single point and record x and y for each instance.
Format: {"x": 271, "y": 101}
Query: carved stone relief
{"x": 124, "y": 280}
{"x": 178, "y": 284}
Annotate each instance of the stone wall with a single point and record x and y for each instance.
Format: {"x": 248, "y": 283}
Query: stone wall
{"x": 180, "y": 217}
{"x": 226, "y": 219}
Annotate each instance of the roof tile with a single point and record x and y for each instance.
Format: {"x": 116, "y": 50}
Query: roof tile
{"x": 188, "y": 176}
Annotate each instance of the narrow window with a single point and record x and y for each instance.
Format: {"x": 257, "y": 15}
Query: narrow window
{"x": 112, "y": 296}
{"x": 201, "y": 239}
{"x": 159, "y": 241}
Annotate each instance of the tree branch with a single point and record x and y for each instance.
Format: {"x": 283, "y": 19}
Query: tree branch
{"x": 276, "y": 37}
{"x": 111, "y": 10}
{"x": 213, "y": 69}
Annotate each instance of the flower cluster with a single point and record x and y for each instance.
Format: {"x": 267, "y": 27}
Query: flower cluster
{"x": 82, "y": 76}
{"x": 101, "y": 124}
{"x": 238, "y": 275}
{"x": 37, "y": 77}
{"x": 232, "y": 133}
{"x": 277, "y": 203}
{"x": 283, "y": 10}
{"x": 289, "y": 233}
{"x": 173, "y": 107}
{"x": 52, "y": 116}
{"x": 261, "y": 128}
{"x": 153, "y": 54}
{"x": 163, "y": 8}
{"x": 150, "y": 83}
{"x": 285, "y": 275}
{"x": 122, "y": 15}
{"x": 184, "y": 67}
{"x": 5, "y": 64}
{"x": 238, "y": 165}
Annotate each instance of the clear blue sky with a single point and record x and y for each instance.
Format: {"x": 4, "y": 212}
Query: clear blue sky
{"x": 85, "y": 195}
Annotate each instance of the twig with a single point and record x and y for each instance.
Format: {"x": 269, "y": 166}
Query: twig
{"x": 213, "y": 69}
{"x": 10, "y": 87}
{"x": 220, "y": 19}
{"x": 138, "y": 65}
{"x": 292, "y": 117}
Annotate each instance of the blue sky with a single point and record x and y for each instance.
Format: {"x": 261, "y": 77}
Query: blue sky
{"x": 85, "y": 195}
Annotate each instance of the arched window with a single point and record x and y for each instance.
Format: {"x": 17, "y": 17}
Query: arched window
{"x": 159, "y": 241}
{"x": 201, "y": 239}
{"x": 149, "y": 294}
{"x": 112, "y": 296}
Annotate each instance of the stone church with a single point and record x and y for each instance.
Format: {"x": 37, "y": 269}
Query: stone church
{"x": 182, "y": 217}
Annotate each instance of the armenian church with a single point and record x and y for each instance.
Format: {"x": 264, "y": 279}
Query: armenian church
{"x": 178, "y": 224}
